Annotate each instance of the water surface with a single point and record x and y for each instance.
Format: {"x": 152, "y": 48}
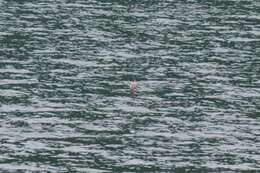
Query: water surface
{"x": 65, "y": 103}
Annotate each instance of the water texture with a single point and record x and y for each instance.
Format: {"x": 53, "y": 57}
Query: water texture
{"x": 65, "y": 69}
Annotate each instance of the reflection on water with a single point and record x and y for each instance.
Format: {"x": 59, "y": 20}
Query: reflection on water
{"x": 65, "y": 102}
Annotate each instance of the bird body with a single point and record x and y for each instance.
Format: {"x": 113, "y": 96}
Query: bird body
{"x": 133, "y": 86}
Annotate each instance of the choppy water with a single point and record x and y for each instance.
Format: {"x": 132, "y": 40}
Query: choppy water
{"x": 65, "y": 104}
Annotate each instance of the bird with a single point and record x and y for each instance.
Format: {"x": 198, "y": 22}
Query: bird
{"x": 133, "y": 85}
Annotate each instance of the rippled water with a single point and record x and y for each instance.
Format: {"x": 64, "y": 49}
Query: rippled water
{"x": 65, "y": 68}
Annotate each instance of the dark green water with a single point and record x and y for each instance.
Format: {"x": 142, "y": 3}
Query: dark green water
{"x": 65, "y": 103}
